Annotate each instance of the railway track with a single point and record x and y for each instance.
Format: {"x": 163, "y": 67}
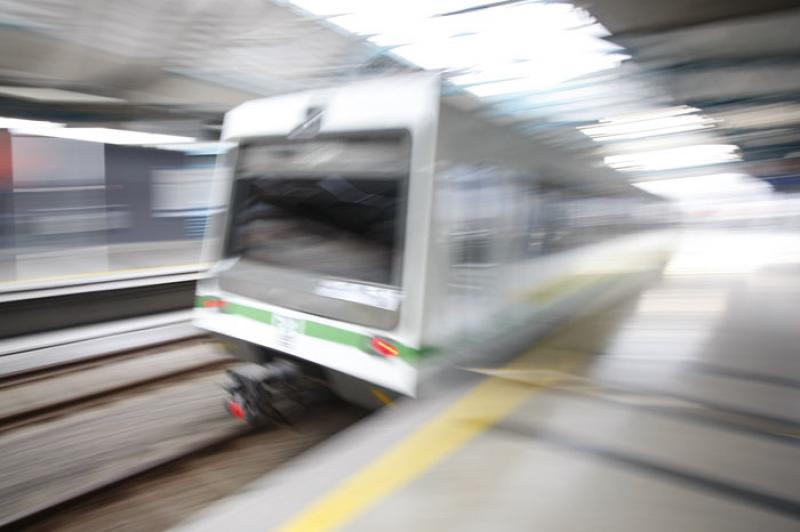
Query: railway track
{"x": 40, "y": 394}
{"x": 37, "y": 513}
{"x": 73, "y": 433}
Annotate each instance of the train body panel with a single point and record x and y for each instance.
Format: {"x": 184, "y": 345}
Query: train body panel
{"x": 372, "y": 225}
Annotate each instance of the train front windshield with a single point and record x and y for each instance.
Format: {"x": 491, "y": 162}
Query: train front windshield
{"x": 322, "y": 210}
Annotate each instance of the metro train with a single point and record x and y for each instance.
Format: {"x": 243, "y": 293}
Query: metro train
{"x": 377, "y": 228}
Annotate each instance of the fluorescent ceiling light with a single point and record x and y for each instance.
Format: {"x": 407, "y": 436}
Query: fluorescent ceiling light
{"x": 105, "y": 135}
{"x": 43, "y": 94}
{"x": 683, "y": 157}
{"x": 15, "y": 123}
{"x": 555, "y": 73}
{"x": 198, "y": 148}
{"x": 504, "y": 49}
{"x": 656, "y": 124}
{"x": 327, "y": 8}
{"x": 651, "y": 114}
{"x": 724, "y": 185}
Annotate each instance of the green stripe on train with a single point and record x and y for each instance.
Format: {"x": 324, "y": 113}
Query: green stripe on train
{"x": 257, "y": 314}
{"x": 313, "y": 329}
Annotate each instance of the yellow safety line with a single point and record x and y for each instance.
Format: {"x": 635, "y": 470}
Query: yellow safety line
{"x": 482, "y": 407}
{"x": 486, "y": 404}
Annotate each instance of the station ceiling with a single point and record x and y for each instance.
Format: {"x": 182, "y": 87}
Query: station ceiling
{"x": 642, "y": 17}
{"x": 737, "y": 61}
{"x": 177, "y": 65}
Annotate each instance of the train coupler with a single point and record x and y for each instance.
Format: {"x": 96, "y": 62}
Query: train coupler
{"x": 276, "y": 392}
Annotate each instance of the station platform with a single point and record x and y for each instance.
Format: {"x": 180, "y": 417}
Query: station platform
{"x": 32, "y": 269}
{"x": 676, "y": 409}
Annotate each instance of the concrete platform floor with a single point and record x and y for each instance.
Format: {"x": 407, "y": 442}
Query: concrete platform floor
{"x": 676, "y": 410}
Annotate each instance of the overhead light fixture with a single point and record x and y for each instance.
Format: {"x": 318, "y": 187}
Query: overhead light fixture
{"x": 673, "y": 158}
{"x": 650, "y": 114}
{"x": 19, "y": 123}
{"x": 544, "y": 75}
{"x": 327, "y": 8}
{"x": 45, "y": 94}
{"x": 105, "y": 135}
{"x": 652, "y": 124}
{"x": 504, "y": 48}
{"x": 714, "y": 186}
{"x": 198, "y": 148}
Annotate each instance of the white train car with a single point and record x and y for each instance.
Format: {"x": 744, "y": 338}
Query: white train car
{"x": 372, "y": 226}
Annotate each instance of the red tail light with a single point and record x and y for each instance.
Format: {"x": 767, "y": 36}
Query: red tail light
{"x": 236, "y": 409}
{"x": 213, "y": 303}
{"x": 383, "y": 347}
